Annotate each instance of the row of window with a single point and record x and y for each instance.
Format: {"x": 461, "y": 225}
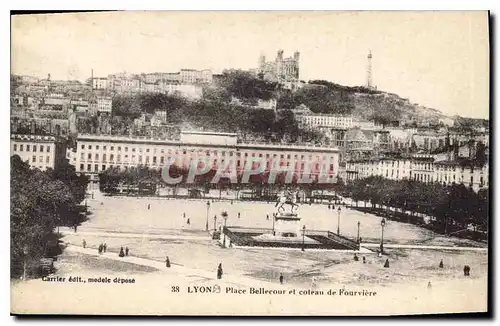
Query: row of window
{"x": 96, "y": 166}
{"x": 32, "y": 148}
{"x": 40, "y": 159}
{"x": 162, "y": 160}
{"x": 208, "y": 153}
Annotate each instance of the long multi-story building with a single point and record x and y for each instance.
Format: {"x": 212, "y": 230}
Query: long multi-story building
{"x": 319, "y": 120}
{"x": 420, "y": 169}
{"x": 40, "y": 152}
{"x": 96, "y": 153}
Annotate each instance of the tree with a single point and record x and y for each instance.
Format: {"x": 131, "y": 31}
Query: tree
{"x": 36, "y": 202}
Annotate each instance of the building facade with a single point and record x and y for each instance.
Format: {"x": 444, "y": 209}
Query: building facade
{"x": 100, "y": 83}
{"x": 104, "y": 104}
{"x": 424, "y": 170}
{"x": 95, "y": 154}
{"x": 40, "y": 152}
{"x": 315, "y": 120}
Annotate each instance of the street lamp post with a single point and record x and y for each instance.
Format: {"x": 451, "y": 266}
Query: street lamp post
{"x": 303, "y": 236}
{"x": 338, "y": 222}
{"x": 382, "y": 223}
{"x": 215, "y": 223}
{"x": 208, "y": 211}
{"x": 359, "y": 223}
{"x": 224, "y": 215}
{"x": 25, "y": 252}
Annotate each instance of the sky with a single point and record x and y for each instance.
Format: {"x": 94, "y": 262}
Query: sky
{"x": 436, "y": 59}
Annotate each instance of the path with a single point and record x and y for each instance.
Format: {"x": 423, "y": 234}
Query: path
{"x": 176, "y": 269}
{"x": 134, "y": 235}
{"x": 402, "y": 246}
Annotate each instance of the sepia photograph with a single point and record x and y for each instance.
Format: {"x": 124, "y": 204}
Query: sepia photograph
{"x": 249, "y": 163}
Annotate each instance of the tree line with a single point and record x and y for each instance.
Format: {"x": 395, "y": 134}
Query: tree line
{"x": 454, "y": 206}
{"x": 143, "y": 179}
{"x": 40, "y": 201}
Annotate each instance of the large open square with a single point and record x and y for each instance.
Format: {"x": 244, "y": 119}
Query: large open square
{"x": 413, "y": 282}
{"x": 162, "y": 230}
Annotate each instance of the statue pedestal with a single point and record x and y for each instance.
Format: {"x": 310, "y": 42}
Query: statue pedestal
{"x": 287, "y": 225}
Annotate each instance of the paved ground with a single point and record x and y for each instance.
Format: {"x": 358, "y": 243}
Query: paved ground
{"x": 163, "y": 231}
{"x": 175, "y": 269}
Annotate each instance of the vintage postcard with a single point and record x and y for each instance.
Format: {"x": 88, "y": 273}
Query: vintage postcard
{"x": 249, "y": 163}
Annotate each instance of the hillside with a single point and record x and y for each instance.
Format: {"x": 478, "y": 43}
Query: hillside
{"x": 325, "y": 97}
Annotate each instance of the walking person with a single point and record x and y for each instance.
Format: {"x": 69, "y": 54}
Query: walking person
{"x": 364, "y": 260}
{"x": 281, "y": 278}
{"x": 356, "y": 257}
{"x": 84, "y": 243}
{"x": 104, "y": 246}
{"x": 99, "y": 250}
{"x": 219, "y": 271}
{"x": 239, "y": 215}
{"x": 466, "y": 270}
{"x": 167, "y": 262}
{"x": 149, "y": 206}
{"x": 441, "y": 265}
{"x": 121, "y": 254}
{"x": 75, "y": 226}
{"x": 126, "y": 251}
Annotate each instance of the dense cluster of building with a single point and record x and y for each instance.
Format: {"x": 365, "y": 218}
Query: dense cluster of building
{"x": 187, "y": 82}
{"x": 425, "y": 150}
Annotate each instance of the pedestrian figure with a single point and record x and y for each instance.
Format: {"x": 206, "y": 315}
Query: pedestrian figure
{"x": 364, "y": 260}
{"x": 267, "y": 217}
{"x": 121, "y": 254}
{"x": 167, "y": 262}
{"x": 149, "y": 206}
{"x": 84, "y": 243}
{"x": 100, "y": 249}
{"x": 104, "y": 246}
{"x": 386, "y": 265}
{"x": 188, "y": 221}
{"x": 466, "y": 270}
{"x": 281, "y": 278}
{"x": 441, "y": 264}
{"x": 356, "y": 257}
{"x": 126, "y": 251}
{"x": 313, "y": 283}
{"x": 239, "y": 215}
{"x": 102, "y": 203}
{"x": 219, "y": 271}
{"x": 333, "y": 206}
{"x": 329, "y": 206}
{"x": 429, "y": 285}
{"x": 231, "y": 201}
{"x": 183, "y": 215}
{"x": 75, "y": 227}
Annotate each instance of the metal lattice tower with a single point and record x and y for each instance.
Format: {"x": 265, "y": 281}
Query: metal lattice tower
{"x": 369, "y": 83}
